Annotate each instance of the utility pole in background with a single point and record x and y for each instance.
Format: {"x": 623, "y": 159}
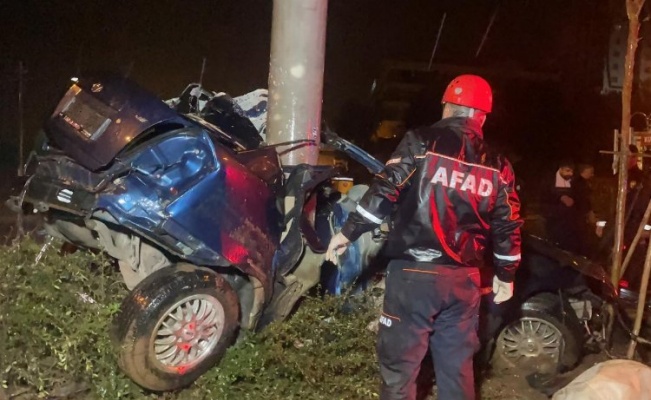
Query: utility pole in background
{"x": 21, "y": 131}
{"x": 633, "y": 8}
{"x": 298, "y": 33}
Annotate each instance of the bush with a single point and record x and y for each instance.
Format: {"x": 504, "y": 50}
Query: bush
{"x": 54, "y": 318}
{"x": 54, "y": 324}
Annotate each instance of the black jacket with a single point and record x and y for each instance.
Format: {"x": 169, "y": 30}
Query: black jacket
{"x": 582, "y": 193}
{"x": 455, "y": 199}
{"x": 553, "y": 208}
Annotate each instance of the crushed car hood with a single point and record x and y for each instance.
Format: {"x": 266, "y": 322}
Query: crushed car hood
{"x": 586, "y": 267}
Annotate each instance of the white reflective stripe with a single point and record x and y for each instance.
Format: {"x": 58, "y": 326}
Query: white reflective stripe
{"x": 507, "y": 258}
{"x": 368, "y": 215}
{"x": 601, "y": 224}
{"x": 647, "y": 227}
{"x": 393, "y": 161}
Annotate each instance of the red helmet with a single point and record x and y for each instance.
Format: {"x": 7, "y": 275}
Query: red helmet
{"x": 469, "y": 91}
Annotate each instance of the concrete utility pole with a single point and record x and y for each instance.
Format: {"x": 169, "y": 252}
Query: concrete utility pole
{"x": 21, "y": 131}
{"x": 296, "y": 77}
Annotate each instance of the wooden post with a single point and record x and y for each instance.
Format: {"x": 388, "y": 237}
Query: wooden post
{"x": 641, "y": 302}
{"x": 636, "y": 240}
{"x": 21, "y": 130}
{"x": 633, "y": 8}
{"x": 620, "y": 215}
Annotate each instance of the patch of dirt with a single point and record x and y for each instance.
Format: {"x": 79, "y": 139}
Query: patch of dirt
{"x": 508, "y": 383}
{"x": 511, "y": 384}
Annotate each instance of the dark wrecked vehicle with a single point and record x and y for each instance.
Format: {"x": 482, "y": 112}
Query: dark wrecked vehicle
{"x": 210, "y": 232}
{"x": 215, "y": 237}
{"x": 562, "y": 308}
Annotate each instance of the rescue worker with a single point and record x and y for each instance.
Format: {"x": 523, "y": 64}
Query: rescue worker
{"x": 454, "y": 198}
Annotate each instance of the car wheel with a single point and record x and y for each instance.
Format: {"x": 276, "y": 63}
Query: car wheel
{"x": 174, "y": 326}
{"x": 541, "y": 340}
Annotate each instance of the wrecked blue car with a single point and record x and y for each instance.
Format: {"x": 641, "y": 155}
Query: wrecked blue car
{"x": 212, "y": 234}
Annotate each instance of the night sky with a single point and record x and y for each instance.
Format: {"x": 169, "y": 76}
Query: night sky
{"x": 163, "y": 43}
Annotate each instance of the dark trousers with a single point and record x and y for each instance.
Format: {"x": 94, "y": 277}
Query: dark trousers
{"x": 435, "y": 306}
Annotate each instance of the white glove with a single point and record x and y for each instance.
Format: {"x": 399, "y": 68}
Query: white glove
{"x": 503, "y": 290}
{"x": 337, "y": 246}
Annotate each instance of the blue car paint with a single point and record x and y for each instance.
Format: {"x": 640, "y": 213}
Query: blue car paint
{"x": 184, "y": 178}
{"x": 156, "y": 179}
{"x": 128, "y": 109}
{"x": 183, "y": 189}
{"x": 195, "y": 198}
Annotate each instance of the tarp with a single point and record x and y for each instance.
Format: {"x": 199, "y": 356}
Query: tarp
{"x": 610, "y": 380}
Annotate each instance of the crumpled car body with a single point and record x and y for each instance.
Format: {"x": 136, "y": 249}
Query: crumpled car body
{"x": 117, "y": 157}
{"x": 150, "y": 183}
{"x": 211, "y": 234}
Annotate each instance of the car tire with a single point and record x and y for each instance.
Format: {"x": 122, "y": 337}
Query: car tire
{"x": 543, "y": 338}
{"x": 174, "y": 326}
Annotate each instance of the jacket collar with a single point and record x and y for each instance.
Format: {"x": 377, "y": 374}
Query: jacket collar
{"x": 467, "y": 126}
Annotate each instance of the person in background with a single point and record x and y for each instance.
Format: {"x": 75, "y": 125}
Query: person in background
{"x": 635, "y": 174}
{"x": 559, "y": 210}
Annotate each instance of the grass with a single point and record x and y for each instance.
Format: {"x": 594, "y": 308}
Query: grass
{"x": 54, "y": 323}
